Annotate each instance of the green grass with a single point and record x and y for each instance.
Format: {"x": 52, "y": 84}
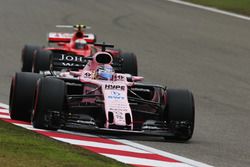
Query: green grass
{"x": 237, "y": 6}
{"x": 21, "y": 148}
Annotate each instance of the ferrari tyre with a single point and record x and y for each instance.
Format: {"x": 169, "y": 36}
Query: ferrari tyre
{"x": 21, "y": 97}
{"x": 27, "y": 57}
{"x": 129, "y": 64}
{"x": 42, "y": 61}
{"x": 49, "y": 101}
{"x": 179, "y": 114}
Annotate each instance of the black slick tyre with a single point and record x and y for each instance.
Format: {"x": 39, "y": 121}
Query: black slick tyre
{"x": 129, "y": 63}
{"x": 48, "y": 105}
{"x": 27, "y": 57}
{"x": 21, "y": 95}
{"x": 42, "y": 61}
{"x": 180, "y": 113}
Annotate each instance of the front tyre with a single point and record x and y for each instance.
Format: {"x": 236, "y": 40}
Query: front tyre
{"x": 49, "y": 101}
{"x": 129, "y": 63}
{"x": 179, "y": 114}
{"x": 21, "y": 95}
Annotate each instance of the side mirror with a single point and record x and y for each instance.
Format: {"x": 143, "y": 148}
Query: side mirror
{"x": 137, "y": 78}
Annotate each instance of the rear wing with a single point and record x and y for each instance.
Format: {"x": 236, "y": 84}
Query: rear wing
{"x": 56, "y": 37}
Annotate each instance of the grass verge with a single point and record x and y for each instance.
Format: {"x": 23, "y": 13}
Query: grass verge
{"x": 21, "y": 148}
{"x": 237, "y": 6}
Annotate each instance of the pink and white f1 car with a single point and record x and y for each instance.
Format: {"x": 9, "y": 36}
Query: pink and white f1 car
{"x": 70, "y": 52}
{"x": 97, "y": 98}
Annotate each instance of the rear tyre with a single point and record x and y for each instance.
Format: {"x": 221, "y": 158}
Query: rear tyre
{"x": 129, "y": 64}
{"x": 179, "y": 114}
{"x": 27, "y": 57}
{"x": 49, "y": 101}
{"x": 42, "y": 61}
{"x": 21, "y": 95}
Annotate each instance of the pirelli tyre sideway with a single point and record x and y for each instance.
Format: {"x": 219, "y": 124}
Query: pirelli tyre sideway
{"x": 129, "y": 63}
{"x": 49, "y": 101}
{"x": 42, "y": 60}
{"x": 27, "y": 57}
{"x": 22, "y": 94}
{"x": 179, "y": 114}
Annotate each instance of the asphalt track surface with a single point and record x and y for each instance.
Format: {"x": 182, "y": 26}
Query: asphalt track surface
{"x": 176, "y": 45}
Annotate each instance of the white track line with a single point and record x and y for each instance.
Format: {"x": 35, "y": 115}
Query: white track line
{"x": 4, "y": 111}
{"x": 146, "y": 162}
{"x": 76, "y": 133}
{"x": 211, "y": 9}
{"x": 29, "y": 127}
{"x": 101, "y": 145}
{"x": 4, "y": 116}
{"x": 4, "y": 105}
{"x": 163, "y": 153}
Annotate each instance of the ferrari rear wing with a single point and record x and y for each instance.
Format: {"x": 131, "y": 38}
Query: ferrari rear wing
{"x": 56, "y": 37}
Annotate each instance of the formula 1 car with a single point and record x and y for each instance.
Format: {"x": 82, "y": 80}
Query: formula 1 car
{"x": 70, "y": 51}
{"x": 92, "y": 99}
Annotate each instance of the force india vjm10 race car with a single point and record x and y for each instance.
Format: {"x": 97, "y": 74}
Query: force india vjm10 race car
{"x": 70, "y": 52}
{"x": 82, "y": 99}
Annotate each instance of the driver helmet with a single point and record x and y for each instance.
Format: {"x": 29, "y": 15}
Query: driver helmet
{"x": 105, "y": 72}
{"x": 80, "y": 44}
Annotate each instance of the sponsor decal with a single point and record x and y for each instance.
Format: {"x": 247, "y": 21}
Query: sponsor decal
{"x": 119, "y": 115}
{"x": 116, "y": 96}
{"x": 60, "y": 35}
{"x": 115, "y": 87}
{"x": 64, "y": 57}
{"x": 119, "y": 78}
{"x": 140, "y": 89}
{"x": 72, "y": 64}
{"x": 87, "y": 75}
{"x": 118, "y": 108}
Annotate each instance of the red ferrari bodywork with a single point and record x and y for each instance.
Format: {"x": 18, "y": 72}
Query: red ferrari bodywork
{"x": 66, "y": 43}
